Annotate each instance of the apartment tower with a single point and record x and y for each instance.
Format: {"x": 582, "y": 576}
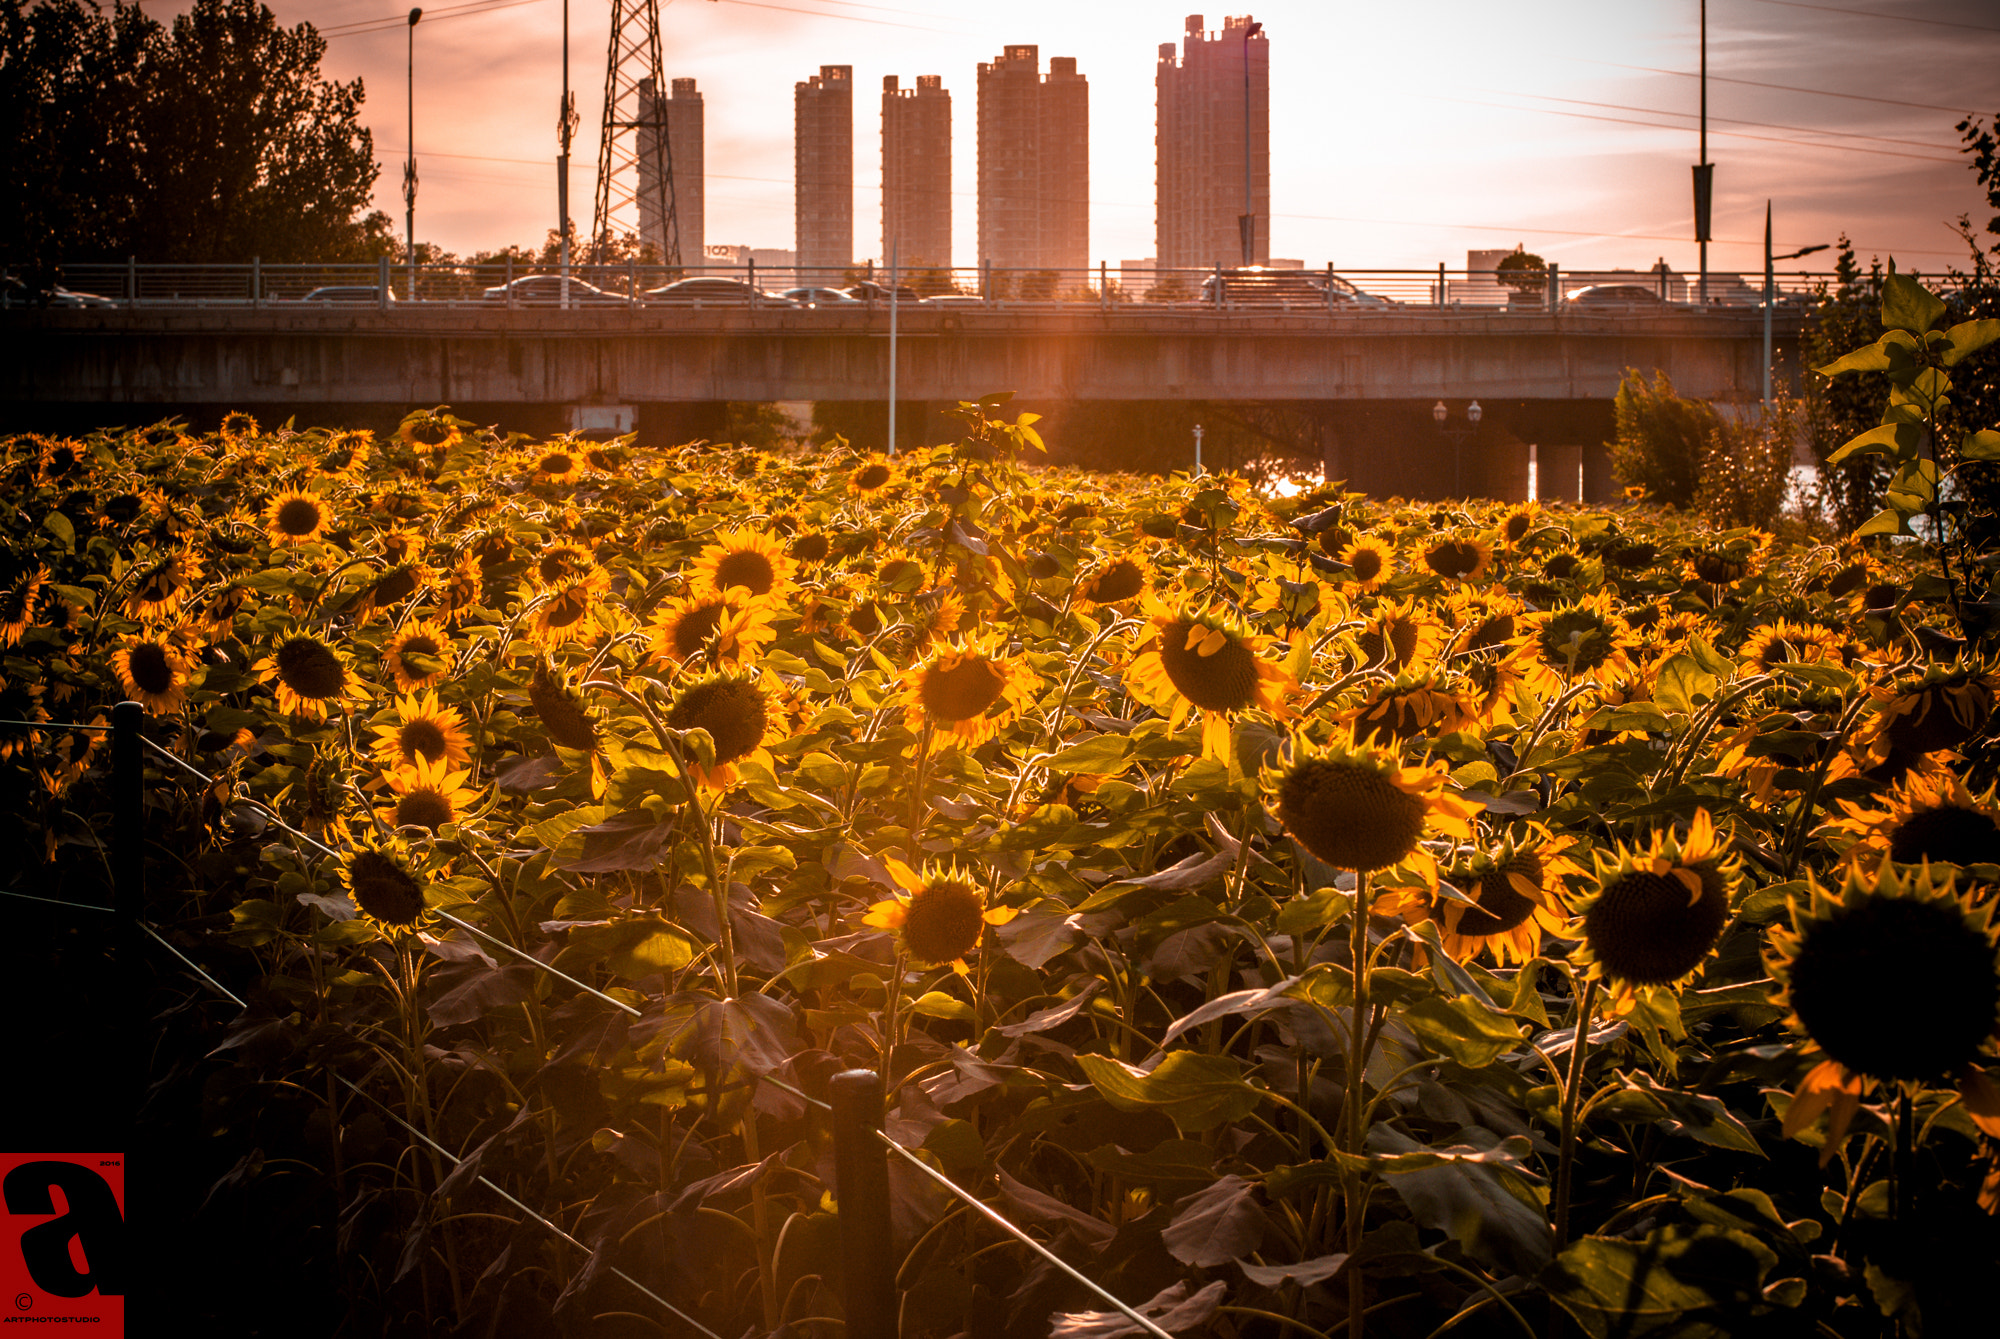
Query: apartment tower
{"x": 823, "y": 172}
{"x": 1034, "y": 163}
{"x": 1220, "y": 82}
{"x": 685, "y": 137}
{"x": 916, "y": 172}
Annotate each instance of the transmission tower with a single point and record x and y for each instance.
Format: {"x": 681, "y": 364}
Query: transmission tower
{"x": 635, "y": 161}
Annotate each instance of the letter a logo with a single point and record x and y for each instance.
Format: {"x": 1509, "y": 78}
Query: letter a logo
{"x": 79, "y": 1251}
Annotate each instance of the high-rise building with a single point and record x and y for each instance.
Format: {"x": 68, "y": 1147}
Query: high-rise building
{"x": 823, "y": 167}
{"x": 685, "y": 139}
{"x": 1034, "y": 162}
{"x": 1214, "y": 118}
{"x": 916, "y": 172}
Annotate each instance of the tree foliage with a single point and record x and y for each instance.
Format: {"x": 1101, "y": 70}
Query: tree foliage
{"x": 215, "y": 139}
{"x": 1661, "y": 439}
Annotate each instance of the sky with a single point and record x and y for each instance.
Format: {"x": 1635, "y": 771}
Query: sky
{"x": 1401, "y": 136}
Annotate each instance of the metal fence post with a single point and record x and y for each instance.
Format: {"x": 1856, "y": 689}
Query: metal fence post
{"x": 256, "y": 281}
{"x": 382, "y": 283}
{"x": 1555, "y": 289}
{"x": 128, "y": 812}
{"x": 132, "y": 281}
{"x": 861, "y": 1185}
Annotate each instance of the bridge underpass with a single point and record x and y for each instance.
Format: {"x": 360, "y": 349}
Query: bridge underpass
{"x": 1362, "y": 383}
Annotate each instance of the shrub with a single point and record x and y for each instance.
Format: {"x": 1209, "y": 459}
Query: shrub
{"x": 1661, "y": 439}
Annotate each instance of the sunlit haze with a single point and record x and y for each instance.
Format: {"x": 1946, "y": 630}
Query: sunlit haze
{"x": 1401, "y": 135}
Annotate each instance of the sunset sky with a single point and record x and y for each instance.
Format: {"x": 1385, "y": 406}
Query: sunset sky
{"x": 1402, "y": 134}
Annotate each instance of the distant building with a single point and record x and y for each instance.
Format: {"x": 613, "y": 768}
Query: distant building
{"x": 823, "y": 168}
{"x": 1200, "y": 139}
{"x": 683, "y": 161}
{"x": 1034, "y": 163}
{"x": 916, "y": 172}
{"x": 763, "y": 257}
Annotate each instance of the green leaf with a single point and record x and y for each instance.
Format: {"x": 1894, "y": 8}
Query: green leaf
{"x": 1888, "y": 521}
{"x": 1896, "y": 349}
{"x": 1683, "y": 684}
{"x": 1914, "y": 487}
{"x": 1471, "y": 1201}
{"x": 1967, "y": 338}
{"x": 1197, "y": 1092}
{"x": 1893, "y": 439}
{"x": 1461, "y": 1028}
{"x": 1650, "y": 1287}
{"x": 1984, "y": 445}
{"x": 1908, "y": 305}
{"x": 59, "y": 525}
{"x": 1104, "y": 754}
{"x": 937, "y": 1004}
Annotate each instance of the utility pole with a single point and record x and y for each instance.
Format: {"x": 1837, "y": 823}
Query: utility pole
{"x": 1249, "y": 228}
{"x": 1771, "y": 291}
{"x": 1704, "y": 172}
{"x": 565, "y": 132}
{"x": 895, "y": 284}
{"x": 410, "y": 161}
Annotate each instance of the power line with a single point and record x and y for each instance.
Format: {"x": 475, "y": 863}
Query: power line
{"x": 1783, "y": 88}
{"x": 1878, "y": 14}
{"x": 461, "y": 11}
{"x": 1726, "y": 120}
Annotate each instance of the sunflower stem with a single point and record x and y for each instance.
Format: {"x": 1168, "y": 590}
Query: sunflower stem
{"x": 1356, "y": 1127}
{"x": 1572, "y": 1096}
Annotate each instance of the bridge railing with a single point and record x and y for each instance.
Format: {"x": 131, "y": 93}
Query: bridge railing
{"x": 1127, "y": 288}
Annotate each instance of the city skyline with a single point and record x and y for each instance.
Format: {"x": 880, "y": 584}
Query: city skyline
{"x": 1385, "y": 152}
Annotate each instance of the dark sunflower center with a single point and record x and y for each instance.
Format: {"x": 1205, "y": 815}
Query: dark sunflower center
{"x": 151, "y": 669}
{"x": 1517, "y": 527}
{"x": 1947, "y": 834}
{"x": 333, "y": 462}
{"x": 396, "y": 586}
{"x": 557, "y": 564}
{"x": 1367, "y": 564}
{"x": 943, "y": 921}
{"x": 965, "y": 690}
{"x": 1718, "y": 569}
{"x": 872, "y": 476}
{"x": 160, "y": 583}
{"x": 309, "y": 668}
{"x": 1895, "y": 988}
{"x": 384, "y": 889}
{"x": 567, "y": 608}
{"x": 1224, "y": 681}
{"x": 423, "y": 644}
{"x": 298, "y": 516}
{"x": 865, "y": 619}
{"x": 422, "y": 738}
{"x": 14, "y": 604}
{"x": 745, "y": 567}
{"x": 1575, "y": 640}
{"x": 1397, "y": 716}
{"x": 731, "y": 711}
{"x": 1643, "y": 930}
{"x": 1453, "y": 558}
{"x": 1120, "y": 581}
{"x": 1941, "y": 716}
{"x": 1501, "y": 906}
{"x": 424, "y": 809}
{"x": 1349, "y": 815}
{"x": 1400, "y": 644}
{"x": 431, "y": 433}
{"x": 1497, "y": 630}
{"x": 566, "y": 721}
{"x": 810, "y": 548}
{"x": 695, "y": 627}
{"x": 557, "y": 462}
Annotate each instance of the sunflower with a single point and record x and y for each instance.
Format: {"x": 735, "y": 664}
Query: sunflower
{"x": 568, "y": 611}
{"x": 238, "y": 426}
{"x": 17, "y": 603}
{"x": 1486, "y": 620}
{"x": 415, "y": 657}
{"x": 427, "y": 431}
{"x": 1519, "y": 523}
{"x": 966, "y": 693}
{"x": 394, "y": 586}
{"x": 1400, "y": 636}
{"x": 296, "y": 517}
{"x": 1358, "y": 808}
{"x": 722, "y": 626}
{"x": 1658, "y": 912}
{"x": 160, "y": 589}
{"x": 809, "y": 549}
{"x": 1950, "y": 705}
{"x": 1789, "y": 643}
{"x": 19, "y": 701}
{"x": 1372, "y": 561}
{"x": 1114, "y": 582}
{"x": 59, "y": 458}
{"x": 1194, "y": 661}
{"x": 562, "y": 713}
{"x": 1893, "y": 979}
{"x": 399, "y": 545}
{"x": 422, "y": 728}
{"x": 1520, "y": 894}
{"x": 738, "y": 715}
{"x": 311, "y": 676}
{"x": 152, "y": 671}
{"x": 382, "y": 879}
{"x": 344, "y": 454}
{"x": 1492, "y": 692}
{"x": 429, "y": 793}
{"x": 560, "y": 462}
{"x": 1930, "y": 818}
{"x": 939, "y": 916}
{"x": 1583, "y": 639}
{"x": 1411, "y": 705}
{"x": 1459, "y": 558}
{"x": 216, "y": 616}
{"x": 872, "y": 476}
{"x": 746, "y": 560}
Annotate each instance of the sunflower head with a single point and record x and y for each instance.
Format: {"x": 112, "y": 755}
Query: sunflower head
{"x": 429, "y": 793}
{"x": 1407, "y": 707}
{"x": 417, "y": 656}
{"x": 420, "y": 726}
{"x": 153, "y": 671}
{"x": 429, "y": 432}
{"x": 162, "y": 586}
{"x": 939, "y": 916}
{"x": 557, "y": 463}
{"x": 561, "y": 712}
{"x": 238, "y": 426}
{"x": 385, "y": 883}
{"x": 1358, "y": 808}
{"x": 1117, "y": 581}
{"x": 1787, "y": 643}
{"x": 967, "y": 692}
{"x": 745, "y": 560}
{"x": 310, "y": 675}
{"x": 1931, "y": 817}
{"x": 871, "y": 476}
{"x": 1658, "y": 911}
{"x": 730, "y": 706}
{"x": 1945, "y": 707}
{"x": 1372, "y": 560}
{"x": 1518, "y": 891}
{"x": 296, "y": 517}
{"x": 1893, "y": 975}
{"x": 1459, "y": 558}
{"x": 1583, "y": 639}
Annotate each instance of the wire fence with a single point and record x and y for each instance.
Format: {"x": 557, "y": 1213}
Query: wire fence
{"x": 1125, "y": 287}
{"x": 861, "y": 1146}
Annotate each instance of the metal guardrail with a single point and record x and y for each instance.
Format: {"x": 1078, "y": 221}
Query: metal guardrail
{"x": 380, "y": 284}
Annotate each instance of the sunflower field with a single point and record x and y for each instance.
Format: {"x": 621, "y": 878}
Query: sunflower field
{"x": 1312, "y": 915}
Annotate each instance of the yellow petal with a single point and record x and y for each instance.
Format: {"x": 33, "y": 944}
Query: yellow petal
{"x": 1195, "y": 635}
{"x": 1000, "y": 915}
{"x": 1690, "y": 881}
{"x": 887, "y": 915}
{"x": 1215, "y": 641}
{"x": 1982, "y": 1098}
{"x": 902, "y": 873}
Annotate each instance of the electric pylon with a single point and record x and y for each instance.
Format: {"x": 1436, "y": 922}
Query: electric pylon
{"x": 635, "y": 161}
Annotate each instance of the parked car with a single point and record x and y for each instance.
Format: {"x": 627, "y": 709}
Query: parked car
{"x": 546, "y": 290}
{"x": 714, "y": 291}
{"x": 1258, "y": 286}
{"x": 367, "y": 293}
{"x": 870, "y": 291}
{"x": 14, "y": 293}
{"x": 1625, "y": 297}
{"x": 819, "y": 297}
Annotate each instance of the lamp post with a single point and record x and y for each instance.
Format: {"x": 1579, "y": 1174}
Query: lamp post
{"x": 565, "y": 132}
{"x": 410, "y": 161}
{"x": 1770, "y": 291}
{"x": 1249, "y": 228}
{"x": 1197, "y": 448}
{"x": 1440, "y": 416}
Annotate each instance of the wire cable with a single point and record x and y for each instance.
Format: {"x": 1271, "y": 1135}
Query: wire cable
{"x": 55, "y": 901}
{"x": 1878, "y": 14}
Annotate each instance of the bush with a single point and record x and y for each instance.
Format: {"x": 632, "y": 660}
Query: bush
{"x": 1746, "y": 465}
{"x": 1661, "y": 439}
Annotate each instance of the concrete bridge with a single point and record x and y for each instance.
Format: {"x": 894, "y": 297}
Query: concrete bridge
{"x": 1368, "y": 366}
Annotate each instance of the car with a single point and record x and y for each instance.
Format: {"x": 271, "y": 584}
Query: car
{"x": 870, "y": 291}
{"x": 367, "y": 293}
{"x": 819, "y": 297}
{"x": 1627, "y": 297}
{"x": 546, "y": 290}
{"x": 955, "y": 300}
{"x": 1258, "y": 286}
{"x": 714, "y": 291}
{"x": 14, "y": 293}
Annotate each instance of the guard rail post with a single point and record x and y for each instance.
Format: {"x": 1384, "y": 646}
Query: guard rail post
{"x": 382, "y": 283}
{"x": 256, "y": 281}
{"x": 861, "y": 1186}
{"x": 131, "y": 281}
{"x": 1555, "y": 289}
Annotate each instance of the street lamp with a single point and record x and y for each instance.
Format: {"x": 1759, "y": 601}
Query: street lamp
{"x": 1440, "y": 416}
{"x": 410, "y": 162}
{"x": 1197, "y": 448}
{"x": 1770, "y": 292}
{"x": 566, "y": 122}
{"x": 1249, "y": 228}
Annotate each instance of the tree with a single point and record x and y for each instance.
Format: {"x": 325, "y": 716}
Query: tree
{"x": 1524, "y": 271}
{"x": 1661, "y": 439}
{"x": 217, "y": 139}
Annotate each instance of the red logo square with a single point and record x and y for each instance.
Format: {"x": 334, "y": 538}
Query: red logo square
{"x": 63, "y": 1255}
